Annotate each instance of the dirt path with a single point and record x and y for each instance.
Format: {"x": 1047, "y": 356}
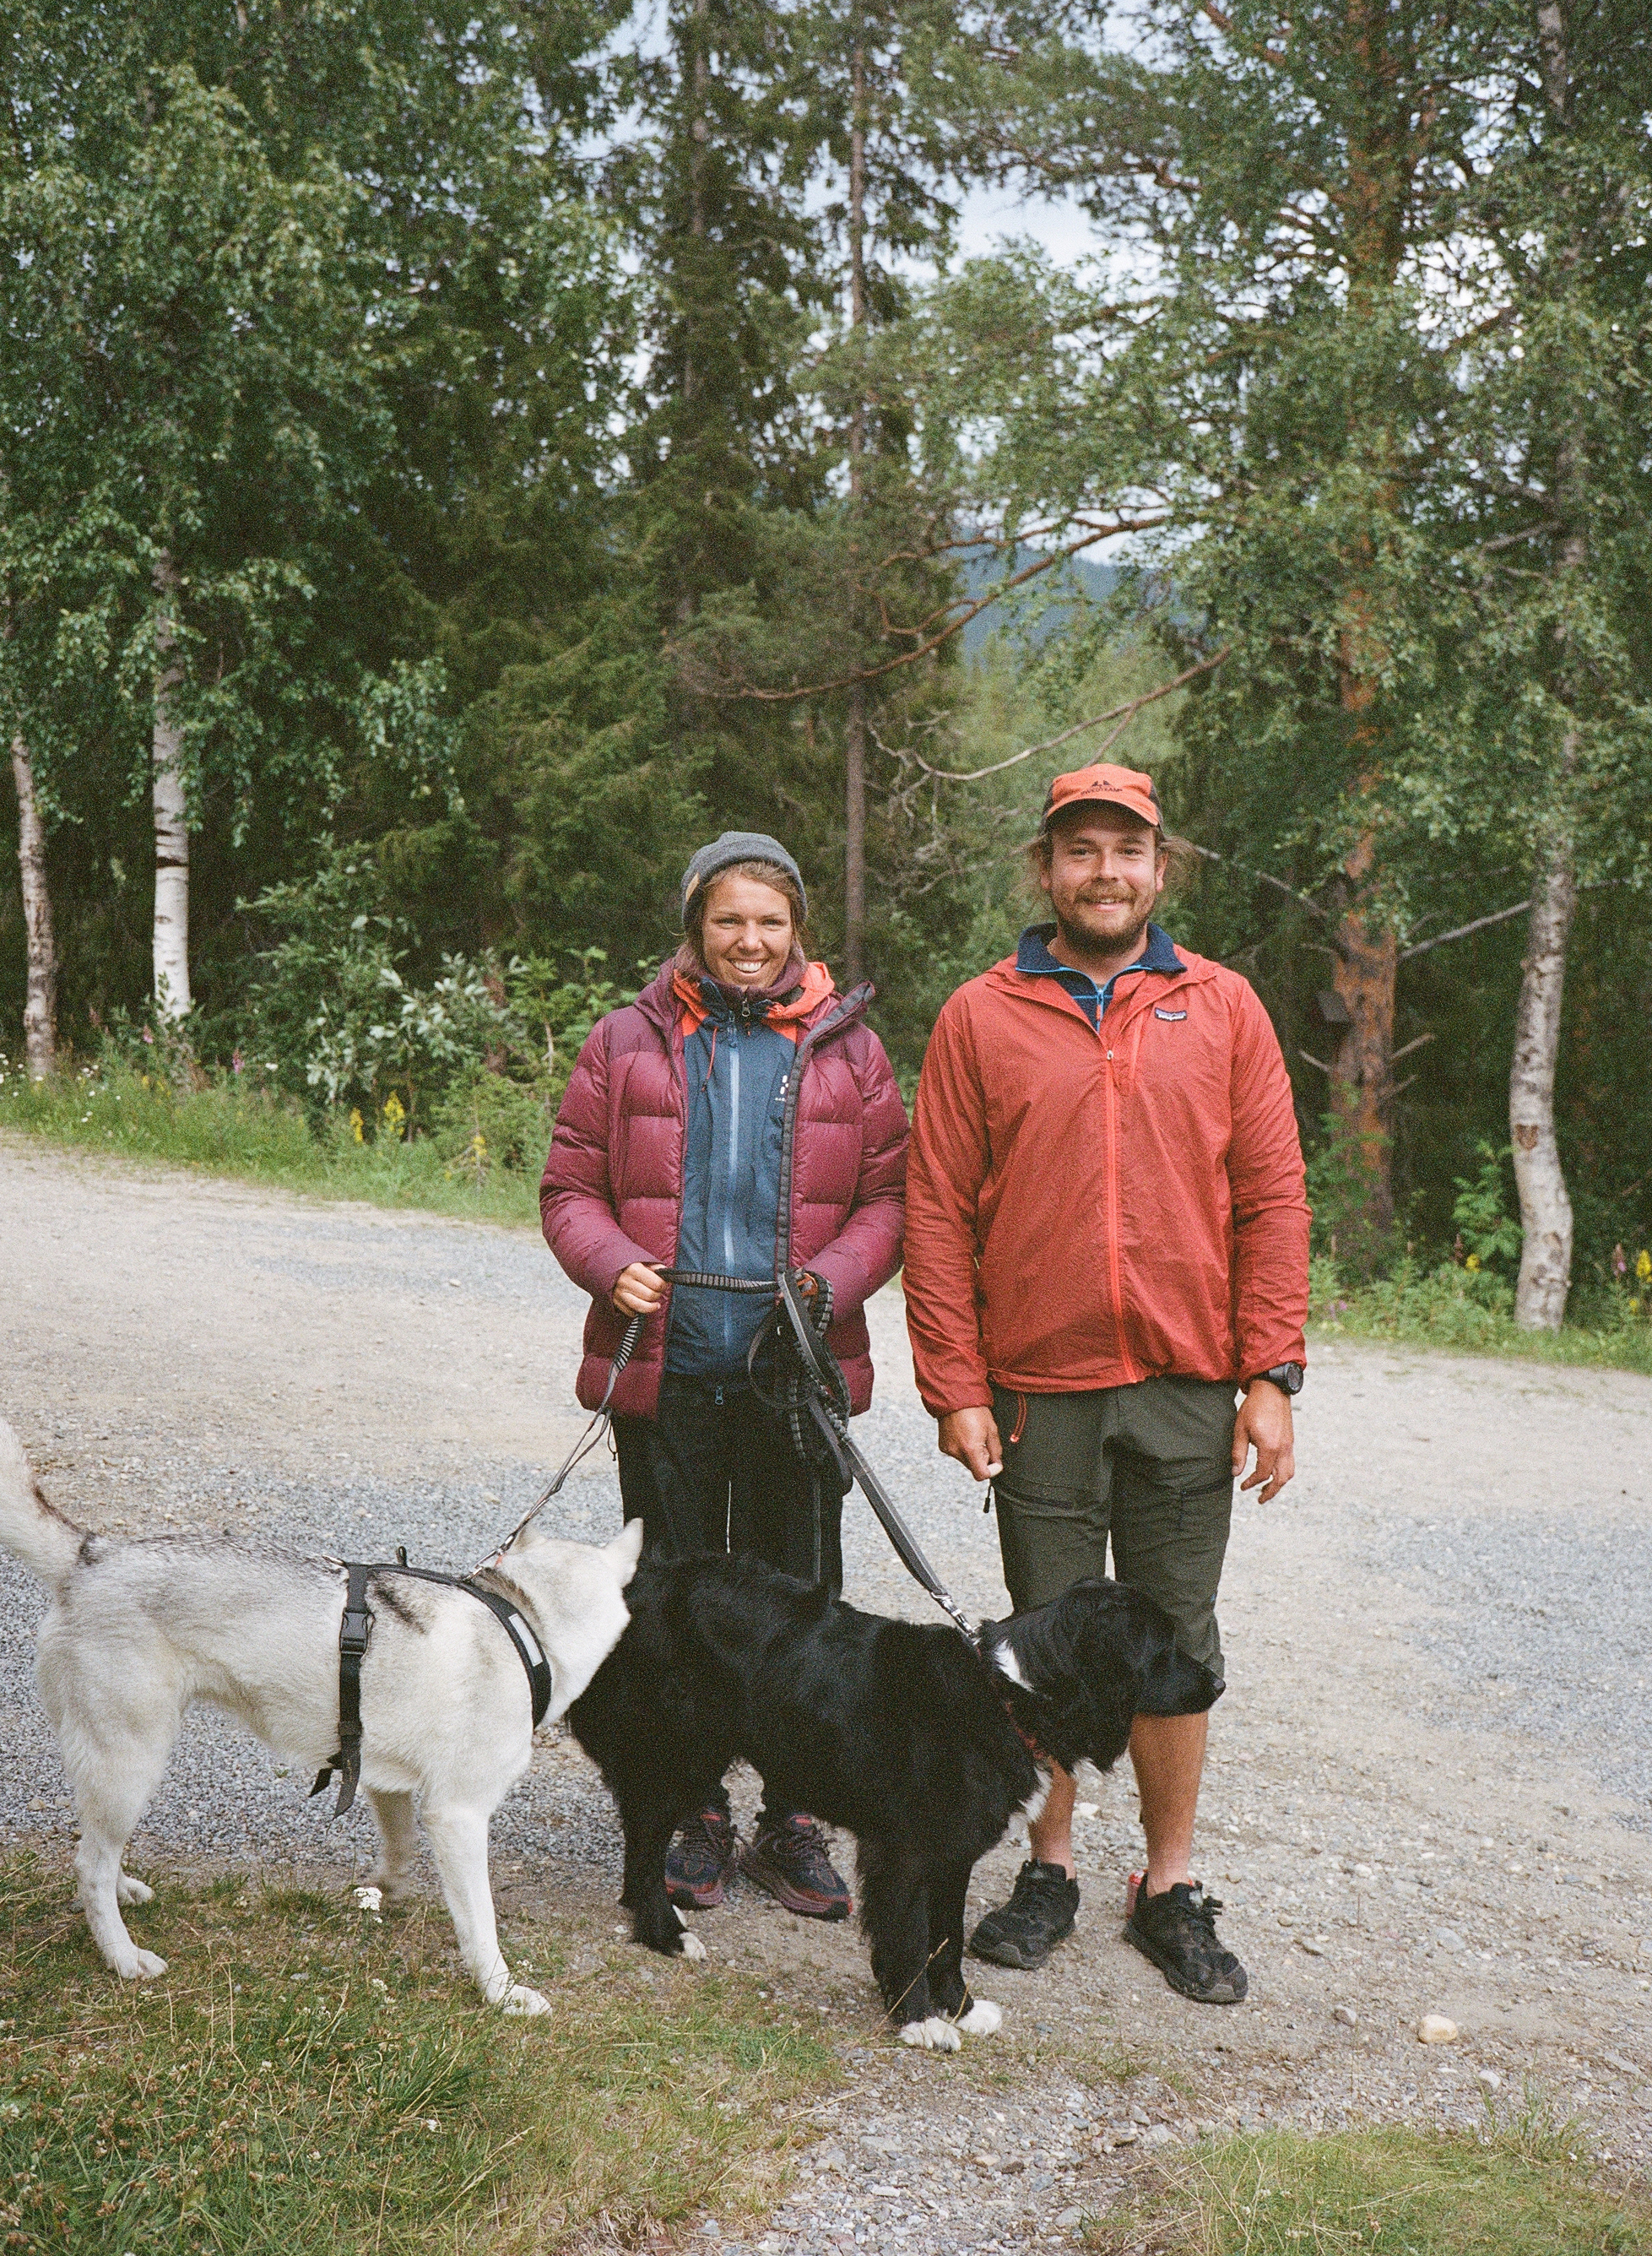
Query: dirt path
{"x": 1430, "y": 1783}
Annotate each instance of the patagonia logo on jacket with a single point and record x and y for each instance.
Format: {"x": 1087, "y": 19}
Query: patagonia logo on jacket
{"x": 1159, "y": 1013}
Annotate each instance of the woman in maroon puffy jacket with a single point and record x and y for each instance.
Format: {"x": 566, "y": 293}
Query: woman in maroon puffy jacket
{"x": 739, "y": 1118}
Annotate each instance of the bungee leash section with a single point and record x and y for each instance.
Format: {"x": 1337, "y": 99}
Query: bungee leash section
{"x": 821, "y": 1392}
{"x": 806, "y": 1384}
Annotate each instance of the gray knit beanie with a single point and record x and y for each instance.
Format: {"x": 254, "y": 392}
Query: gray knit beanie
{"x": 739, "y": 846}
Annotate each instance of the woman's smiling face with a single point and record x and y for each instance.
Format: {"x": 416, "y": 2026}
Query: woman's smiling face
{"x": 747, "y": 933}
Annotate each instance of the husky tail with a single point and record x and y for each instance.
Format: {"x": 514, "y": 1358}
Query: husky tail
{"x": 47, "y": 1543}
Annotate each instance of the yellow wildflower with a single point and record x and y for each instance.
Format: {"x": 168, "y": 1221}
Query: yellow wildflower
{"x": 355, "y": 1123}
{"x": 1643, "y": 1267}
{"x": 395, "y": 1113}
{"x": 1473, "y": 1262}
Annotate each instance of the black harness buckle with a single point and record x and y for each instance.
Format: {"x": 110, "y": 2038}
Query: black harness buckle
{"x": 355, "y": 1628}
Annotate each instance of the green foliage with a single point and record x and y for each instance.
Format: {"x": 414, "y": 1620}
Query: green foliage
{"x": 546, "y": 433}
{"x": 1487, "y": 1232}
{"x": 1471, "y": 1311}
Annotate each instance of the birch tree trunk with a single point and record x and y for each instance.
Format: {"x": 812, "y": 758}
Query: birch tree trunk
{"x": 1545, "y": 1204}
{"x": 172, "y": 823}
{"x": 40, "y": 1000}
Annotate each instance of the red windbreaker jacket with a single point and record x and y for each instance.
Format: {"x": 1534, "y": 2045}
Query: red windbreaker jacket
{"x": 1088, "y": 1208}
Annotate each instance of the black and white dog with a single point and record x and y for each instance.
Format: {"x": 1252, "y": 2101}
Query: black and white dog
{"x": 894, "y": 1731}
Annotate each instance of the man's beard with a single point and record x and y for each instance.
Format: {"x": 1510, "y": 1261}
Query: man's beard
{"x": 1078, "y": 942}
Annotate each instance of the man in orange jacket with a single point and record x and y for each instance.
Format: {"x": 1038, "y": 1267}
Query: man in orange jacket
{"x": 1106, "y": 1239}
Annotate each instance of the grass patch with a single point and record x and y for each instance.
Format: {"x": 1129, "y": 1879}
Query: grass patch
{"x": 1524, "y": 2189}
{"x": 1450, "y": 1307}
{"x": 302, "y": 2079}
{"x": 258, "y": 1138}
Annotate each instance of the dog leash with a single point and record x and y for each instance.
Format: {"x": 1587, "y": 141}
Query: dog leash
{"x": 823, "y": 1393}
{"x": 603, "y": 1418}
{"x": 355, "y": 1630}
{"x": 814, "y": 1386}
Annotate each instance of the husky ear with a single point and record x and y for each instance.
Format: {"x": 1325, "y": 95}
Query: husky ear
{"x": 625, "y": 1550}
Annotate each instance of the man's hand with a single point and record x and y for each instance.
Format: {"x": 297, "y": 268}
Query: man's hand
{"x": 638, "y": 1291}
{"x": 972, "y": 1437}
{"x": 1264, "y": 1422}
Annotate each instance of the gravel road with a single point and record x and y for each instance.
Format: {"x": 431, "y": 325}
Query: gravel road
{"x": 1431, "y": 1781}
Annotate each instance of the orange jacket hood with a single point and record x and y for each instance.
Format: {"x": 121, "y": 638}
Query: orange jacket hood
{"x": 804, "y": 991}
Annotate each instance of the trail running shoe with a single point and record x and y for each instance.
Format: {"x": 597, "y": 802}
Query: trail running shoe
{"x": 788, "y": 1857}
{"x": 1176, "y": 1931}
{"x": 701, "y": 1861}
{"x": 1040, "y": 1911}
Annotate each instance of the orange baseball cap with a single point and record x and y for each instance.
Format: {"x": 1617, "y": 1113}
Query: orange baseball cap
{"x": 1106, "y": 787}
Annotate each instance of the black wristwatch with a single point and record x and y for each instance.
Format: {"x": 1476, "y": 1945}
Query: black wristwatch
{"x": 1287, "y": 1377}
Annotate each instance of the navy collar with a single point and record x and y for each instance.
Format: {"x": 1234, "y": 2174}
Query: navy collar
{"x": 1033, "y": 955}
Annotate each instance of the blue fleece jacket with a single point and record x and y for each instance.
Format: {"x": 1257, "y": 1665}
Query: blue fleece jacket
{"x": 737, "y": 1070}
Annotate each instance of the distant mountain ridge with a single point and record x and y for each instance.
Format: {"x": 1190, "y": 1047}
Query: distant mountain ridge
{"x": 984, "y": 568}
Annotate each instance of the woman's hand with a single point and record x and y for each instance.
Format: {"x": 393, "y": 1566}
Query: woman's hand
{"x": 638, "y": 1290}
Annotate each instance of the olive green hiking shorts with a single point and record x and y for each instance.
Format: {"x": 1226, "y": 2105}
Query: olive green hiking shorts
{"x": 1149, "y": 1467}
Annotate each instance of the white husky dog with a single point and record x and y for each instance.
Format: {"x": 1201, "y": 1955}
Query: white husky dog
{"x": 136, "y": 1630}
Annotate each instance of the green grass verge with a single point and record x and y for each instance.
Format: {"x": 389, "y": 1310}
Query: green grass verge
{"x": 227, "y": 1131}
{"x": 304, "y": 2079}
{"x": 1448, "y": 1307}
{"x": 1525, "y": 2189}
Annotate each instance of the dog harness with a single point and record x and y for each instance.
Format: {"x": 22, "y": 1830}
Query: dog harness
{"x": 356, "y": 1628}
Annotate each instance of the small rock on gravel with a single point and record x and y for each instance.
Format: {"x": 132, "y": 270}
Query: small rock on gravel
{"x": 1434, "y": 2028}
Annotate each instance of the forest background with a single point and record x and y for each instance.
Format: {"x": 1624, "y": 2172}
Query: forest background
{"x": 453, "y": 460}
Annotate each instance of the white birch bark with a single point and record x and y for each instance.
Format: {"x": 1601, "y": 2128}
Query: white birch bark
{"x": 172, "y": 813}
{"x": 1545, "y": 1205}
{"x": 40, "y": 999}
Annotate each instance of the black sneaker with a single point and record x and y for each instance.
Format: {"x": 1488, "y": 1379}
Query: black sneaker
{"x": 701, "y": 1862}
{"x": 1176, "y": 1931}
{"x": 788, "y": 1856}
{"x": 1024, "y": 1931}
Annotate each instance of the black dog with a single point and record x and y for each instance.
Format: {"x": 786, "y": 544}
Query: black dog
{"x": 895, "y": 1730}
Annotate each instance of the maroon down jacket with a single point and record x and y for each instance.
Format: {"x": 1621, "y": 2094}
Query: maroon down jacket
{"x": 613, "y": 1184}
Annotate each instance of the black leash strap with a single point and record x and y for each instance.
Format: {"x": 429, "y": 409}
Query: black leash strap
{"x": 824, "y": 1398}
{"x": 814, "y": 1387}
{"x": 603, "y": 1417}
{"x": 355, "y": 1630}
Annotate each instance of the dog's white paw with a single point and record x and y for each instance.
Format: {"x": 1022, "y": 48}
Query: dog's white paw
{"x": 137, "y": 1965}
{"x": 693, "y": 1947}
{"x": 518, "y": 1998}
{"x": 129, "y": 1890}
{"x": 932, "y": 2036}
{"x": 983, "y": 2019}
